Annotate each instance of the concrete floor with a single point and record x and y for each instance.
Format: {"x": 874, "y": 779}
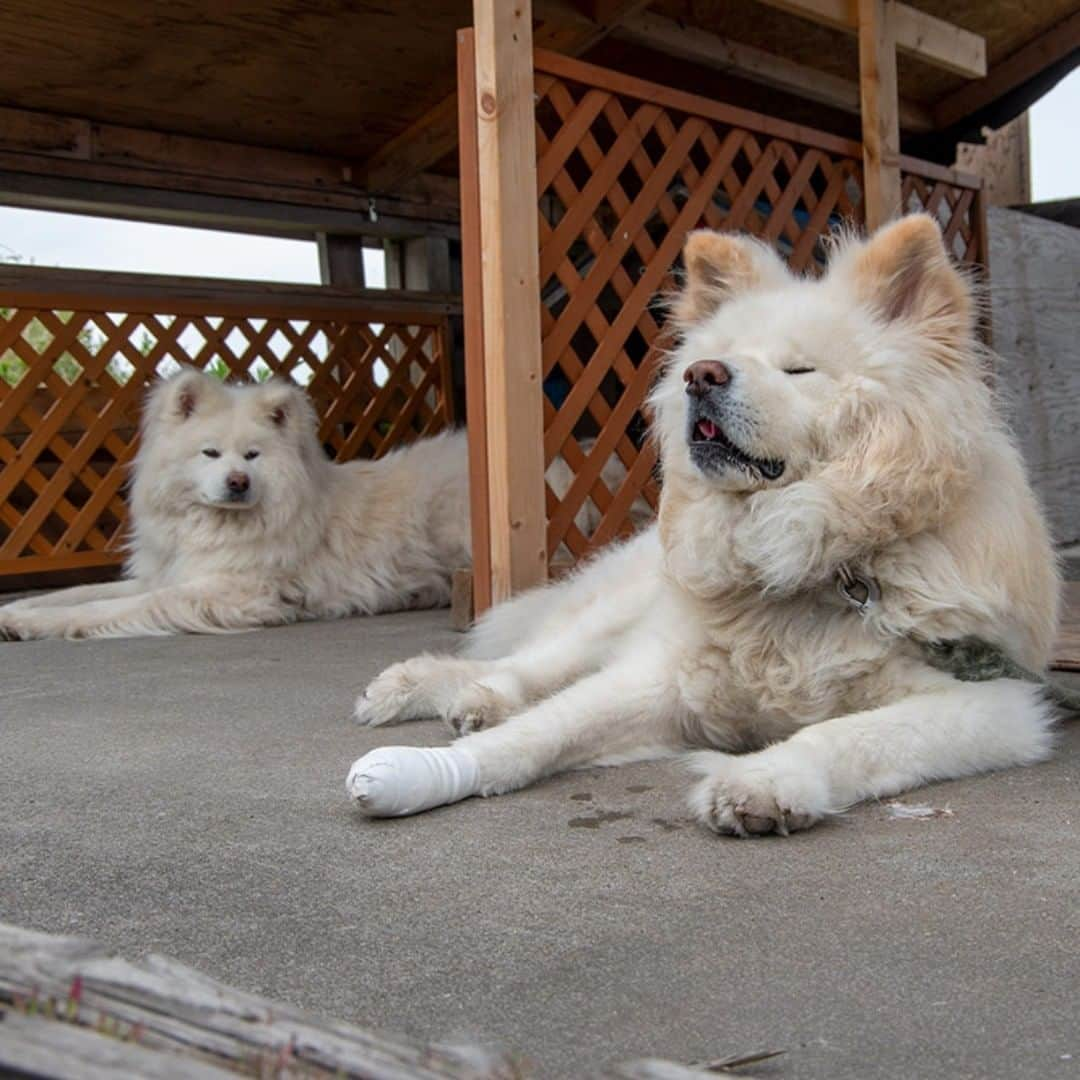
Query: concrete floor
{"x": 186, "y": 796}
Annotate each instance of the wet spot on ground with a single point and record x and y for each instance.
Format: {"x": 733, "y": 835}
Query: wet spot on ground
{"x": 604, "y": 817}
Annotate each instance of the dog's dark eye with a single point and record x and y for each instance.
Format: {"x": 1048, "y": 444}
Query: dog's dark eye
{"x": 251, "y": 455}
{"x": 799, "y": 370}
{"x": 212, "y": 453}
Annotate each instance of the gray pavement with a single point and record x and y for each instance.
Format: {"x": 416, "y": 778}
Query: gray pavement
{"x": 186, "y": 796}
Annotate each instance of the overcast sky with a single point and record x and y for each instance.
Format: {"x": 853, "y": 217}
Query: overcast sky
{"x": 98, "y": 243}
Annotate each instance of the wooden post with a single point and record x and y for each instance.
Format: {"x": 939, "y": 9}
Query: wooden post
{"x": 472, "y": 295}
{"x": 510, "y": 279}
{"x": 418, "y": 263}
{"x": 880, "y": 112}
{"x": 341, "y": 260}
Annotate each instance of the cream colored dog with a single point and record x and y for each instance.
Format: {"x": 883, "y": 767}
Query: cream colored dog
{"x": 837, "y": 489}
{"x": 240, "y": 520}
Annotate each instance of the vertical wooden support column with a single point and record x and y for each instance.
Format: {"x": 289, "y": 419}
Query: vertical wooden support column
{"x": 510, "y": 279}
{"x": 341, "y": 260}
{"x": 880, "y": 108}
{"x": 473, "y": 297}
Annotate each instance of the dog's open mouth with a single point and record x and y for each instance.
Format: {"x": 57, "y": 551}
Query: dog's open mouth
{"x": 710, "y": 449}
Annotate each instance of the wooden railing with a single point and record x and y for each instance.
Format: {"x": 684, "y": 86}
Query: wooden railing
{"x": 78, "y": 349}
{"x": 625, "y": 169}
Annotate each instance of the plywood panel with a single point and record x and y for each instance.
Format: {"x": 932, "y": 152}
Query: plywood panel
{"x": 1035, "y": 298}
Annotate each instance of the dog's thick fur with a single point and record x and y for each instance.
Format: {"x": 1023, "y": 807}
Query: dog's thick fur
{"x": 854, "y": 428}
{"x": 304, "y": 539}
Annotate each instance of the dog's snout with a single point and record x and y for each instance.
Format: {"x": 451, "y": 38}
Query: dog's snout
{"x": 702, "y": 376}
{"x": 238, "y": 483}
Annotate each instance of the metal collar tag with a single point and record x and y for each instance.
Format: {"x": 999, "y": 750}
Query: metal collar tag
{"x": 862, "y": 593}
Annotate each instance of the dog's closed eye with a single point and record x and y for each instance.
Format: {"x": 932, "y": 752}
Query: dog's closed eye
{"x": 251, "y": 455}
{"x": 211, "y": 452}
{"x": 799, "y": 370}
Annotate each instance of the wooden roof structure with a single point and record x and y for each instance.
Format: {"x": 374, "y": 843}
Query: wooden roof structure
{"x": 319, "y": 106}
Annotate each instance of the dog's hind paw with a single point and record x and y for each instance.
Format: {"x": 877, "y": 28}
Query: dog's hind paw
{"x": 743, "y": 797}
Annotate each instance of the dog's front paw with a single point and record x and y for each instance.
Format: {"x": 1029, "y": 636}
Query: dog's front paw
{"x": 389, "y": 696}
{"x": 14, "y": 625}
{"x": 411, "y": 690}
{"x": 752, "y": 796}
{"x": 782, "y": 539}
{"x": 475, "y": 708}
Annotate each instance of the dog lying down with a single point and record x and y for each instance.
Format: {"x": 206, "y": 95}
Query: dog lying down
{"x": 837, "y": 489}
{"x": 241, "y": 521}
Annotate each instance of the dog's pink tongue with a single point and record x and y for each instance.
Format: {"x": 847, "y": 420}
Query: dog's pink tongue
{"x": 707, "y": 428}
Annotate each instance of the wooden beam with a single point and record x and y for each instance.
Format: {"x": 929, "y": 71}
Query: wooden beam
{"x": 417, "y": 148}
{"x": 431, "y": 138}
{"x": 1015, "y": 70}
{"x": 923, "y": 36}
{"x": 937, "y": 42}
{"x": 221, "y": 296}
{"x": 42, "y": 183}
{"x": 506, "y": 157}
{"x": 880, "y": 112}
{"x": 697, "y": 46}
{"x": 70, "y": 163}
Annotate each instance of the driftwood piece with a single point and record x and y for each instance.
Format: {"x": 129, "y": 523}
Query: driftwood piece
{"x": 163, "y": 1008}
{"x": 70, "y": 1009}
{"x": 654, "y": 1069}
{"x": 1035, "y": 296}
{"x": 35, "y": 1046}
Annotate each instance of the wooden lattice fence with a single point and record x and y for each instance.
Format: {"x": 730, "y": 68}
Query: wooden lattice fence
{"x": 625, "y": 168}
{"x": 75, "y": 362}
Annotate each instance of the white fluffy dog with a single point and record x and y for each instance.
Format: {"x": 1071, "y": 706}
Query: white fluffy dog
{"x": 838, "y": 489}
{"x": 240, "y": 521}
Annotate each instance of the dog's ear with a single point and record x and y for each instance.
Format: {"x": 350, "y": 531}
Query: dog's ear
{"x": 178, "y": 398}
{"x": 286, "y": 406}
{"x": 720, "y": 266}
{"x": 903, "y": 272}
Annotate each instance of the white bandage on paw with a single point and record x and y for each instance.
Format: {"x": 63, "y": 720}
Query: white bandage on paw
{"x": 395, "y": 781}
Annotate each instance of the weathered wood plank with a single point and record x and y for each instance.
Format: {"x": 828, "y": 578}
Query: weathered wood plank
{"x": 176, "y": 1008}
{"x": 1035, "y": 301}
{"x": 38, "y": 1047}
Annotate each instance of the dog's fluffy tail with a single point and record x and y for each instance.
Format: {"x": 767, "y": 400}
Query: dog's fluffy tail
{"x": 503, "y": 629}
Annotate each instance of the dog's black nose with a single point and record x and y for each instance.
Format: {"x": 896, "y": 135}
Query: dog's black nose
{"x": 704, "y": 375}
{"x": 237, "y": 483}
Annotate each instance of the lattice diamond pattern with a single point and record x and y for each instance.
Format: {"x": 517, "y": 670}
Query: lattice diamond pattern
{"x": 621, "y": 182}
{"x": 955, "y": 210}
{"x": 71, "y": 383}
